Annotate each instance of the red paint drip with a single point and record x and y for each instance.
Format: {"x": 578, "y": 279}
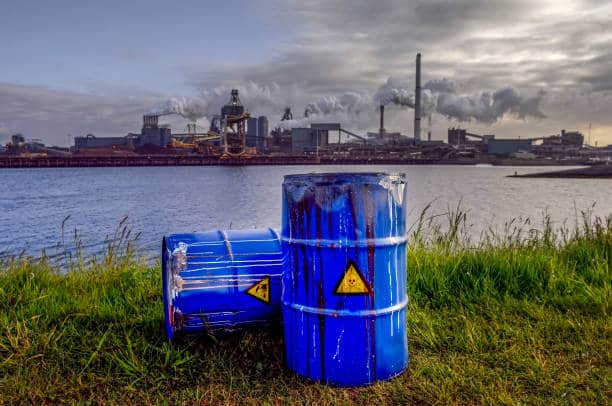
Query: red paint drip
{"x": 369, "y": 217}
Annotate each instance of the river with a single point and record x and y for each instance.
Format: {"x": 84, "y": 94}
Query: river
{"x": 34, "y": 203}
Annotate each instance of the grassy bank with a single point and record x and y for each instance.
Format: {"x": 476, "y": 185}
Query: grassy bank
{"x": 519, "y": 317}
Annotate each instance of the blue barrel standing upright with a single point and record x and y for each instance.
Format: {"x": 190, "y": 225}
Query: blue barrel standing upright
{"x": 221, "y": 280}
{"x": 344, "y": 293}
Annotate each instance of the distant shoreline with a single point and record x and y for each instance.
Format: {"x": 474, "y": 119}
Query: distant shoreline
{"x": 591, "y": 172}
{"x": 195, "y": 160}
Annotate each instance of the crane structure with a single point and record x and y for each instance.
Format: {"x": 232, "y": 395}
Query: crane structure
{"x": 288, "y": 115}
{"x": 230, "y": 126}
{"x": 195, "y": 138}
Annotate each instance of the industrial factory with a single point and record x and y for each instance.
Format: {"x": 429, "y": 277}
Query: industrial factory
{"x": 234, "y": 136}
{"x": 566, "y": 144}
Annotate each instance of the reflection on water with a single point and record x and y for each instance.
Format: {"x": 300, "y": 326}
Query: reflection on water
{"x": 162, "y": 200}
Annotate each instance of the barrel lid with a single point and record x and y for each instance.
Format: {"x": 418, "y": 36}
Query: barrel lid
{"x": 341, "y": 177}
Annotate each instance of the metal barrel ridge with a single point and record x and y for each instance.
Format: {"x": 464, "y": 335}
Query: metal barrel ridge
{"x": 221, "y": 280}
{"x": 344, "y": 293}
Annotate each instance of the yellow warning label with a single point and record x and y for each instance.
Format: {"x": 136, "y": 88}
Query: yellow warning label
{"x": 352, "y": 282}
{"x": 261, "y": 290}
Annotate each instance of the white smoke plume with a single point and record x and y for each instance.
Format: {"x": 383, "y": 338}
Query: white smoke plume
{"x": 395, "y": 92}
{"x": 441, "y": 96}
{"x": 190, "y": 108}
{"x": 295, "y": 123}
{"x": 347, "y": 108}
{"x": 440, "y": 86}
{"x": 347, "y": 103}
{"x": 356, "y": 109}
{"x": 260, "y": 97}
{"x": 269, "y": 100}
{"x": 488, "y": 107}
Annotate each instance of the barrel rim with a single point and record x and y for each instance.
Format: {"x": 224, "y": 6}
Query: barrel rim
{"x": 339, "y": 176}
{"x": 168, "y": 327}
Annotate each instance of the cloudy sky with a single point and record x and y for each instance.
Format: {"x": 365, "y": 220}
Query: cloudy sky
{"x": 68, "y": 68}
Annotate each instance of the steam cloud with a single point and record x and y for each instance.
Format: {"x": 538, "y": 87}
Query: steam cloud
{"x": 209, "y": 102}
{"x": 295, "y": 123}
{"x": 345, "y": 107}
{"x": 441, "y": 96}
{"x": 348, "y": 103}
{"x": 359, "y": 109}
{"x": 269, "y": 100}
{"x": 190, "y": 108}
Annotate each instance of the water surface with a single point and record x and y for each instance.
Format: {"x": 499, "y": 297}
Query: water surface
{"x": 162, "y": 200}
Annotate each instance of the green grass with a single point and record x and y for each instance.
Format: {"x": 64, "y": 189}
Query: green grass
{"x": 519, "y": 317}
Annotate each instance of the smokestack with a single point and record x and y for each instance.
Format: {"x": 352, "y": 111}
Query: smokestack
{"x": 417, "y": 100}
{"x": 381, "y": 131}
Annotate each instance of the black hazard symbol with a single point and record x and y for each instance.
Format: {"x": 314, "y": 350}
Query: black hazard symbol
{"x": 352, "y": 282}
{"x": 261, "y": 290}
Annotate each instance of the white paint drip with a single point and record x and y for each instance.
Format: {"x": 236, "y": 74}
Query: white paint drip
{"x": 337, "y": 353}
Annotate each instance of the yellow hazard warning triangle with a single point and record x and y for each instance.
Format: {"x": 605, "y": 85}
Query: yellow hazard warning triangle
{"x": 261, "y": 290}
{"x": 352, "y": 282}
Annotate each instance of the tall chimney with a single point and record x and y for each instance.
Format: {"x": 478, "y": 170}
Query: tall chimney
{"x": 417, "y": 100}
{"x": 381, "y": 131}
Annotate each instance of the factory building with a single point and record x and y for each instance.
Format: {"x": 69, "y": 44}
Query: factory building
{"x": 31, "y": 148}
{"x": 507, "y": 147}
{"x": 17, "y": 139}
{"x": 460, "y": 137}
{"x": 572, "y": 138}
{"x": 279, "y": 140}
{"x": 566, "y": 138}
{"x": 298, "y": 141}
{"x": 91, "y": 141}
{"x": 457, "y": 136}
{"x": 252, "y": 132}
{"x": 568, "y": 142}
{"x": 466, "y": 141}
{"x": 150, "y": 134}
{"x": 257, "y": 132}
{"x": 262, "y": 132}
{"x": 308, "y": 140}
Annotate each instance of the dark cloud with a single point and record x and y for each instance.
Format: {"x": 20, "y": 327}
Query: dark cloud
{"x": 459, "y": 15}
{"x": 602, "y": 82}
{"x": 561, "y": 48}
{"x": 486, "y": 44}
{"x": 600, "y": 73}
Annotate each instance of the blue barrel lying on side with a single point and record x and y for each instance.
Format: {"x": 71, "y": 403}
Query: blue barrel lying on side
{"x": 344, "y": 294}
{"x": 221, "y": 280}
